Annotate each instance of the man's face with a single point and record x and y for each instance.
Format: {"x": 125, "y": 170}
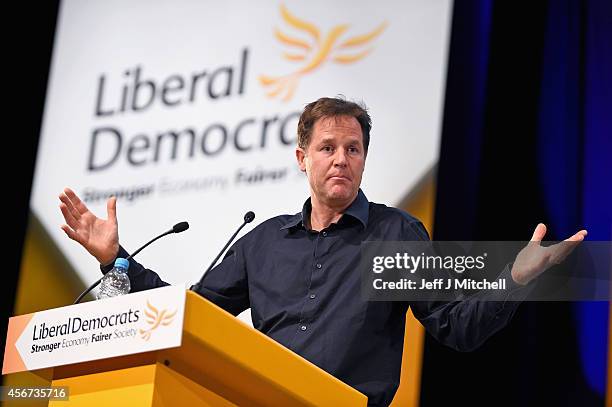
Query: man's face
{"x": 334, "y": 160}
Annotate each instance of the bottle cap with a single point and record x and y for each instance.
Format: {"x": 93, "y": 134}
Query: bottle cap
{"x": 123, "y": 263}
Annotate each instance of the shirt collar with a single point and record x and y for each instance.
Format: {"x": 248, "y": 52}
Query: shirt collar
{"x": 359, "y": 209}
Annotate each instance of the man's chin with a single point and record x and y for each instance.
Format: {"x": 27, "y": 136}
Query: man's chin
{"x": 341, "y": 195}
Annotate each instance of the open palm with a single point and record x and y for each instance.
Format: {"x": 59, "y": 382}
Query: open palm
{"x": 100, "y": 237}
{"x": 534, "y": 259}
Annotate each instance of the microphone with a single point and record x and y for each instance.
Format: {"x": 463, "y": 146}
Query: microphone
{"x": 178, "y": 228}
{"x": 248, "y": 218}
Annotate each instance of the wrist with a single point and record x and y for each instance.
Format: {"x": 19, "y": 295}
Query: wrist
{"x": 107, "y": 260}
{"x": 517, "y": 278}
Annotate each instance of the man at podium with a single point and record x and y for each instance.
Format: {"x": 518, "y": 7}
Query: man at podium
{"x": 298, "y": 274}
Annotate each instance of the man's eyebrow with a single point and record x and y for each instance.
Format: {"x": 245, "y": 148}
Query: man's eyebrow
{"x": 326, "y": 140}
{"x": 329, "y": 139}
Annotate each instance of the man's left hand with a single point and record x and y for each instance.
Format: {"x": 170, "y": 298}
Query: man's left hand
{"x": 534, "y": 259}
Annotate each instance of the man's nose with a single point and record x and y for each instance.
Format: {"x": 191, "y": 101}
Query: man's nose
{"x": 340, "y": 158}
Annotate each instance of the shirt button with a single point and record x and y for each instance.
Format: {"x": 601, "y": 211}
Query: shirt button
{"x": 303, "y": 327}
{"x": 324, "y": 233}
{"x": 319, "y": 265}
{"x": 312, "y": 296}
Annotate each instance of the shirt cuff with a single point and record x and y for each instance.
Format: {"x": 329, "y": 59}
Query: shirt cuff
{"x": 515, "y": 292}
{"x": 105, "y": 268}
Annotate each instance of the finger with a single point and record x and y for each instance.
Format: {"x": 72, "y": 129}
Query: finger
{"x": 578, "y": 237}
{"x": 70, "y": 206}
{"x": 70, "y": 220}
{"x": 538, "y": 233}
{"x": 76, "y": 201}
{"x": 111, "y": 209}
{"x": 71, "y": 233}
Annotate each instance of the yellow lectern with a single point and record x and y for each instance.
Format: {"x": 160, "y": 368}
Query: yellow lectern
{"x": 221, "y": 362}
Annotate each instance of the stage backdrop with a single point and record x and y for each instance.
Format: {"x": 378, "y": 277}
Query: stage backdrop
{"x": 187, "y": 110}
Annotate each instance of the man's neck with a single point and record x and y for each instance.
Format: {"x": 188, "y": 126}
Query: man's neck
{"x": 324, "y": 214}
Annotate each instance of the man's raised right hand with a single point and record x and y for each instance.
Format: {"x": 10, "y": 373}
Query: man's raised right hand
{"x": 98, "y": 236}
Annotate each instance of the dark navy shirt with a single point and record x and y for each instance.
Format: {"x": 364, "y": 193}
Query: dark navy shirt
{"x": 303, "y": 288}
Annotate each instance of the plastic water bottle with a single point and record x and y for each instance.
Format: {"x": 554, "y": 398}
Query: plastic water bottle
{"x": 115, "y": 282}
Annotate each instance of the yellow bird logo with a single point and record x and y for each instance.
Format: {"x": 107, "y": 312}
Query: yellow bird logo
{"x": 155, "y": 318}
{"x": 315, "y": 51}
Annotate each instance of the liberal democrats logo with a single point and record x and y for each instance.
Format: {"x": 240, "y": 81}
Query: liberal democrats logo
{"x": 312, "y": 53}
{"x": 155, "y": 318}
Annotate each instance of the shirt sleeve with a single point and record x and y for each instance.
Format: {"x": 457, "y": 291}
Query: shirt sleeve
{"x": 225, "y": 285}
{"x": 466, "y": 324}
{"x": 141, "y": 278}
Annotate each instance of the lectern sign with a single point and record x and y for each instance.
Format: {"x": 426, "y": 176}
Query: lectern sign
{"x": 139, "y": 322}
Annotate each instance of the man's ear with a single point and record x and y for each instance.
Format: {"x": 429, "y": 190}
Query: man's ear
{"x": 300, "y": 155}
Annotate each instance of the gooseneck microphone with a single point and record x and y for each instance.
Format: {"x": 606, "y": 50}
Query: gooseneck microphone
{"x": 248, "y": 218}
{"x": 178, "y": 228}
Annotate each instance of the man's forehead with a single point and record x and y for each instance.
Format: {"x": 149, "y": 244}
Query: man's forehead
{"x": 337, "y": 125}
{"x": 339, "y": 120}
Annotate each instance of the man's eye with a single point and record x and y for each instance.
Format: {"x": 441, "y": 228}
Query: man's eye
{"x": 327, "y": 148}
